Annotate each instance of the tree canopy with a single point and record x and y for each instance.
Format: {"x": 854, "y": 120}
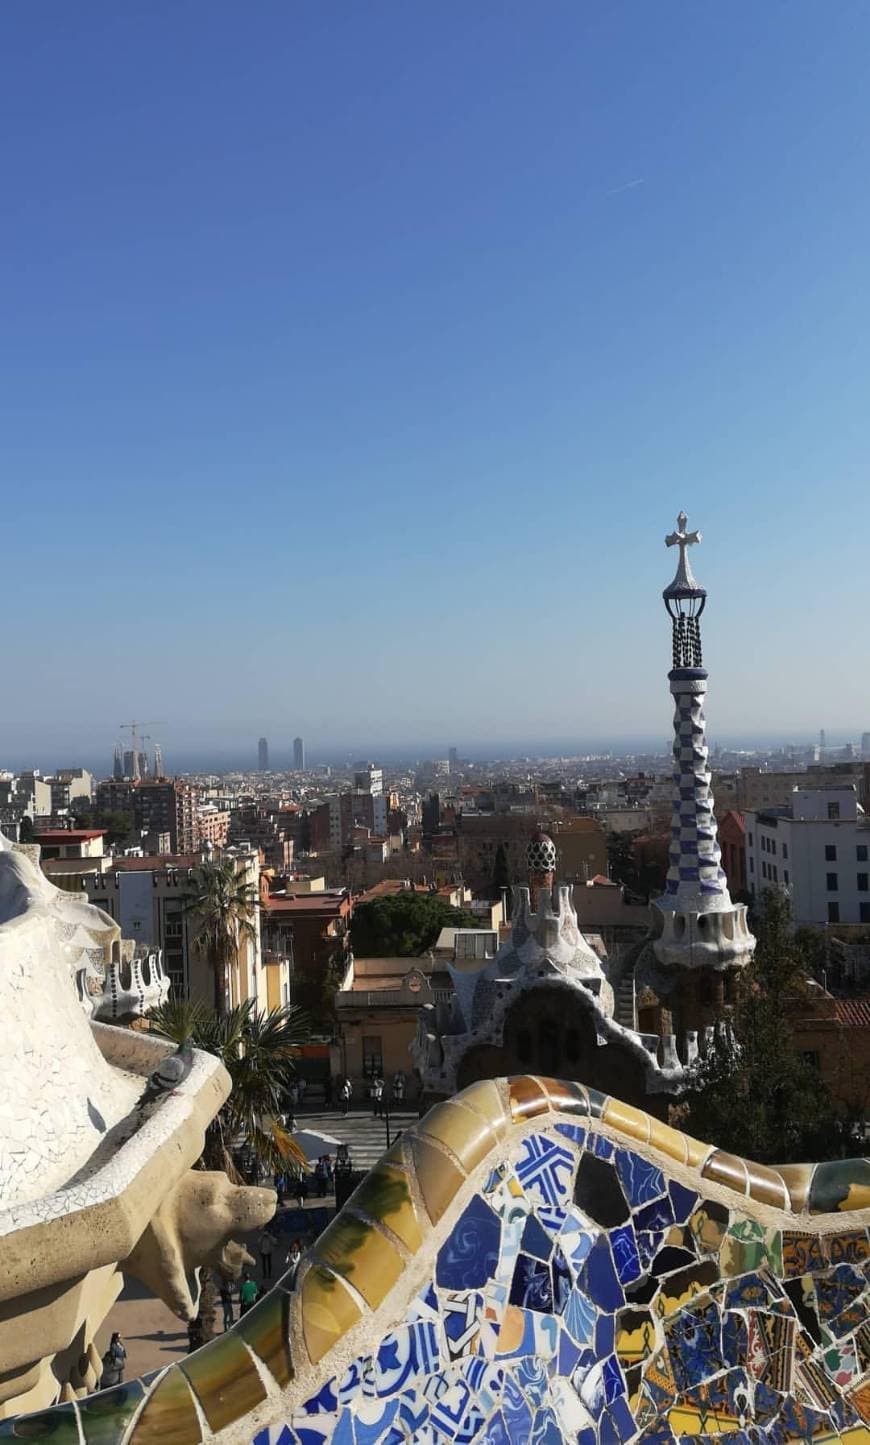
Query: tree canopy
{"x": 258, "y": 1050}
{"x": 404, "y": 925}
{"x": 756, "y": 1095}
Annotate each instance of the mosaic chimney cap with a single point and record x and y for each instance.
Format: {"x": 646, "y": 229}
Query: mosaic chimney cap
{"x": 541, "y": 853}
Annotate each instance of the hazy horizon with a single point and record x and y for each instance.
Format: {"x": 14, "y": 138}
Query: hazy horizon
{"x": 228, "y": 758}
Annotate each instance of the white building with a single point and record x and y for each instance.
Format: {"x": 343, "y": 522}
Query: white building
{"x": 818, "y": 849}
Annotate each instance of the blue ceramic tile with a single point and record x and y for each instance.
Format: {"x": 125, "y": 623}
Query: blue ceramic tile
{"x": 470, "y": 1255}
{"x": 517, "y": 1413}
{"x": 532, "y": 1284}
{"x": 658, "y": 1215}
{"x": 545, "y": 1429}
{"x": 562, "y": 1281}
{"x": 621, "y": 1417}
{"x": 683, "y": 1200}
{"x": 601, "y": 1147}
{"x": 625, "y": 1254}
{"x": 496, "y": 1431}
{"x": 572, "y": 1131}
{"x": 536, "y": 1240}
{"x": 640, "y": 1180}
{"x": 569, "y": 1354}
{"x": 324, "y": 1402}
{"x": 614, "y": 1384}
{"x": 373, "y": 1432}
{"x": 600, "y": 1279}
{"x": 605, "y": 1333}
{"x": 533, "y": 1380}
{"x": 546, "y": 1170}
{"x": 580, "y": 1316}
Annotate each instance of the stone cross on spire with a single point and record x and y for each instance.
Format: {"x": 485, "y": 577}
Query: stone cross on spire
{"x": 683, "y": 539}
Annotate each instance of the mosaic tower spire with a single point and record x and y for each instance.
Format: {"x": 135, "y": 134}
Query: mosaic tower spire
{"x": 700, "y": 926}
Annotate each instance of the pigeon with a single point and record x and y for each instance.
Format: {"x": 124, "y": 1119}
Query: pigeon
{"x": 170, "y": 1072}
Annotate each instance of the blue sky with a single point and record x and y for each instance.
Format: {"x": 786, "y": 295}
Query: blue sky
{"x": 358, "y": 356}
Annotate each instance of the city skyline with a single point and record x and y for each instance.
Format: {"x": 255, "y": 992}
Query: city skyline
{"x": 246, "y": 344}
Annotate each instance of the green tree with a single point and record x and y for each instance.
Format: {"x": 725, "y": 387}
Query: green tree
{"x": 404, "y": 925}
{"x": 222, "y": 905}
{"x": 258, "y": 1051}
{"x": 756, "y": 1095}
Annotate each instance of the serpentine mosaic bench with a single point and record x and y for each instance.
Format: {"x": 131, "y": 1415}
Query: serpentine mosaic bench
{"x": 535, "y": 1262}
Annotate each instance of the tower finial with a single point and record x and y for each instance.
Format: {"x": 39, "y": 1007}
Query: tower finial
{"x": 684, "y": 580}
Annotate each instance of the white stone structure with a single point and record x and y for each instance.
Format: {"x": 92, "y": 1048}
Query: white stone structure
{"x": 91, "y": 1181}
{"x": 700, "y": 926}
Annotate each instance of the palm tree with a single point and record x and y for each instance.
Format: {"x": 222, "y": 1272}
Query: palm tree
{"x": 223, "y": 906}
{"x": 257, "y": 1049}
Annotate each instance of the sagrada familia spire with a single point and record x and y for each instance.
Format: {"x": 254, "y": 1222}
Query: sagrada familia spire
{"x": 700, "y": 926}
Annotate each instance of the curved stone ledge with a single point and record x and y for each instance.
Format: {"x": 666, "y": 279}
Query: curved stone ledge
{"x": 368, "y": 1280}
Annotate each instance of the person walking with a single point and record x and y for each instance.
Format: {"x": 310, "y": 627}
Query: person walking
{"x": 301, "y": 1087}
{"x": 345, "y": 1093}
{"x": 248, "y": 1293}
{"x": 378, "y": 1095}
{"x": 114, "y": 1361}
{"x": 266, "y": 1244}
{"x": 300, "y": 1189}
{"x": 227, "y": 1303}
{"x": 399, "y": 1086}
{"x": 294, "y": 1255}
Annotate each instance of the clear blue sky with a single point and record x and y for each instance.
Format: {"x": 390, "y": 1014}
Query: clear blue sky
{"x": 357, "y": 357}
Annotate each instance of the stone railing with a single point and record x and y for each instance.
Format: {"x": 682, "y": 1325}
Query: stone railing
{"x": 535, "y": 1261}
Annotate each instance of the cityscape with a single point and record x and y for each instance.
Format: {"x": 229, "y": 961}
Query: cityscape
{"x": 435, "y": 769}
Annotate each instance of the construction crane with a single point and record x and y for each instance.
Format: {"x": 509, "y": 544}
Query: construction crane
{"x": 135, "y": 738}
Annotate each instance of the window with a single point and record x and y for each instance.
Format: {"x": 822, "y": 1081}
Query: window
{"x": 811, "y": 1056}
{"x": 751, "y": 844}
{"x": 833, "y": 882}
{"x": 833, "y": 810}
{"x": 373, "y": 1059}
{"x": 862, "y": 882}
{"x": 861, "y": 852}
{"x": 830, "y": 852}
{"x": 833, "y": 912}
{"x": 785, "y": 876}
{"x": 752, "y": 865}
{"x": 785, "y": 850}
{"x": 775, "y": 874}
{"x": 864, "y": 910}
{"x": 773, "y": 845}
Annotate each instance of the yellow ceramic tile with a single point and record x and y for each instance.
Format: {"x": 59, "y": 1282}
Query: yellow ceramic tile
{"x": 528, "y": 1099}
{"x": 225, "y": 1379}
{"x": 329, "y": 1310}
{"x": 567, "y": 1096}
{"x": 169, "y": 1414}
{"x": 670, "y": 1300}
{"x": 707, "y": 1231}
{"x": 796, "y": 1178}
{"x": 727, "y": 1169}
{"x": 633, "y": 1123}
{"x": 510, "y": 1335}
{"x": 361, "y": 1255}
{"x": 437, "y": 1177}
{"x": 466, "y": 1134}
{"x": 266, "y": 1328}
{"x": 668, "y": 1141}
{"x": 385, "y": 1194}
{"x": 485, "y": 1099}
{"x": 766, "y": 1185}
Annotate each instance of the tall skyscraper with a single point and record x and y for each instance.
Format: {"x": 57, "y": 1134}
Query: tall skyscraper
{"x": 453, "y": 759}
{"x": 118, "y": 762}
{"x": 263, "y": 755}
{"x": 298, "y": 755}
